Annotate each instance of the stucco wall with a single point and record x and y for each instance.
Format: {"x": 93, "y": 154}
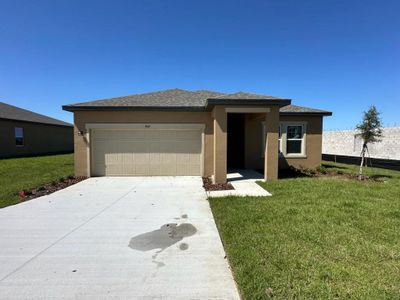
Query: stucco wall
{"x": 343, "y": 142}
{"x": 254, "y": 157}
{"x": 313, "y": 142}
{"x": 254, "y": 149}
{"x": 38, "y": 139}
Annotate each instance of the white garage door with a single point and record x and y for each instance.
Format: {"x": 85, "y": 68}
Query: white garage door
{"x": 146, "y": 152}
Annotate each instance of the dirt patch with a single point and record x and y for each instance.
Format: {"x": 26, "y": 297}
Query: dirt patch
{"x": 47, "y": 189}
{"x": 349, "y": 176}
{"x": 209, "y": 186}
{"x": 326, "y": 172}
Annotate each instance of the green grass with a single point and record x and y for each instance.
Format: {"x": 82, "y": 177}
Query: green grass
{"x": 17, "y": 174}
{"x": 315, "y": 238}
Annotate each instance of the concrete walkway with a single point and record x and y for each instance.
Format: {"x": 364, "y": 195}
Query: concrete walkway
{"x": 119, "y": 238}
{"x": 244, "y": 182}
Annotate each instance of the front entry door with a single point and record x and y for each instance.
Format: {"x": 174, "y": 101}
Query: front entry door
{"x": 236, "y": 140}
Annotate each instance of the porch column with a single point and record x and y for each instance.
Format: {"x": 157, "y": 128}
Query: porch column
{"x": 220, "y": 144}
{"x": 272, "y": 144}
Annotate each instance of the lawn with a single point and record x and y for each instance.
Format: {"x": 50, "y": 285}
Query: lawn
{"x": 316, "y": 238}
{"x": 17, "y": 174}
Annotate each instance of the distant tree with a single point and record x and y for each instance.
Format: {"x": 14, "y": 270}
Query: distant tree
{"x": 370, "y": 131}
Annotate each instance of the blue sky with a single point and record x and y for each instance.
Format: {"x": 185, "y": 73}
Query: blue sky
{"x": 337, "y": 55}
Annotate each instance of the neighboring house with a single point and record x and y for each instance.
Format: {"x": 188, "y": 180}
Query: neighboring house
{"x": 179, "y": 132}
{"x": 25, "y": 133}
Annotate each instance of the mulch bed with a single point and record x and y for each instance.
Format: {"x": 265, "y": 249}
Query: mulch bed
{"x": 49, "y": 188}
{"x": 209, "y": 186}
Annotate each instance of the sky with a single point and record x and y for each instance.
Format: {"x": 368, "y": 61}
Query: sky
{"x": 341, "y": 56}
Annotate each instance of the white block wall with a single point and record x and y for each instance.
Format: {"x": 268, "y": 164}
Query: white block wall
{"x": 343, "y": 142}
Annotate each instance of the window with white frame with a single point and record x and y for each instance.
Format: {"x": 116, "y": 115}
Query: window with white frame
{"x": 291, "y": 139}
{"x": 19, "y": 136}
{"x": 295, "y": 144}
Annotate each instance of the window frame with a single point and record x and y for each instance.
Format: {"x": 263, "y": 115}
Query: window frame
{"x": 283, "y": 139}
{"x": 18, "y": 136}
{"x": 303, "y": 140}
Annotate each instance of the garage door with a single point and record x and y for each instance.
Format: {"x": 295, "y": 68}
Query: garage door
{"x": 146, "y": 152}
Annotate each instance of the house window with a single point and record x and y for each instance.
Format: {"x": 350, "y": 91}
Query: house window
{"x": 294, "y": 139}
{"x": 19, "y": 136}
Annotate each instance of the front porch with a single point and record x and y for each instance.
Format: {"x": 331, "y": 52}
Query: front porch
{"x": 244, "y": 184}
{"x": 245, "y": 138}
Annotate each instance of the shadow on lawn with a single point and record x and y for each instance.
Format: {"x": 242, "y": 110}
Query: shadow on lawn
{"x": 292, "y": 173}
{"x": 289, "y": 173}
{"x": 380, "y": 176}
{"x": 332, "y": 167}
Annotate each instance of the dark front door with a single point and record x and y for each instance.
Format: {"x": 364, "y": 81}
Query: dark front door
{"x": 235, "y": 141}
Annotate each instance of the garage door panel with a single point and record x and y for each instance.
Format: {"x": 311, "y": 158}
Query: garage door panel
{"x": 183, "y": 158}
{"x": 154, "y": 158}
{"x": 146, "y": 152}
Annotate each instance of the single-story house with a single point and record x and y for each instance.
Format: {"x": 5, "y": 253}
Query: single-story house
{"x": 25, "y": 133}
{"x": 180, "y": 132}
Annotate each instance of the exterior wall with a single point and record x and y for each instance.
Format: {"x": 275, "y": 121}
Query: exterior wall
{"x": 38, "y": 139}
{"x": 254, "y": 149}
{"x": 343, "y": 142}
{"x": 254, "y": 156}
{"x": 214, "y": 122}
{"x": 81, "y": 145}
{"x": 313, "y": 142}
{"x": 220, "y": 141}
{"x": 271, "y": 162}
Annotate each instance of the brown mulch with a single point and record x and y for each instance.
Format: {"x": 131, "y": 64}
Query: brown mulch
{"x": 49, "y": 188}
{"x": 209, "y": 186}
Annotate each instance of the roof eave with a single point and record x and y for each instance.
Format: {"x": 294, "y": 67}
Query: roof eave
{"x": 324, "y": 114}
{"x": 281, "y": 102}
{"x": 72, "y": 108}
{"x": 37, "y": 122}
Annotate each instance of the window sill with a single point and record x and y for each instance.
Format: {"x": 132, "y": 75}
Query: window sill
{"x": 295, "y": 156}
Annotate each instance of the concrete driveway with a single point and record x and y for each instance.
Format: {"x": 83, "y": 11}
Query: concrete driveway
{"x": 131, "y": 237}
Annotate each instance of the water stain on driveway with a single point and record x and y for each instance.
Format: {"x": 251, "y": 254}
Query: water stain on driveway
{"x": 166, "y": 236}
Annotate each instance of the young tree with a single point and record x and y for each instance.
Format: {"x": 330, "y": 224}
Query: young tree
{"x": 370, "y": 131}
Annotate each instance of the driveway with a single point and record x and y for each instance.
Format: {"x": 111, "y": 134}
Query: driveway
{"x": 115, "y": 237}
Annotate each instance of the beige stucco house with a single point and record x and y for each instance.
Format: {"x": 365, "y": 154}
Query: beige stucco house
{"x": 26, "y": 133}
{"x": 179, "y": 132}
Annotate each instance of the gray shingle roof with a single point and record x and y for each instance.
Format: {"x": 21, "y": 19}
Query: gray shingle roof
{"x": 11, "y": 112}
{"x": 294, "y": 109}
{"x": 166, "y": 98}
{"x": 175, "y": 98}
{"x": 246, "y": 96}
{"x": 179, "y": 99}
